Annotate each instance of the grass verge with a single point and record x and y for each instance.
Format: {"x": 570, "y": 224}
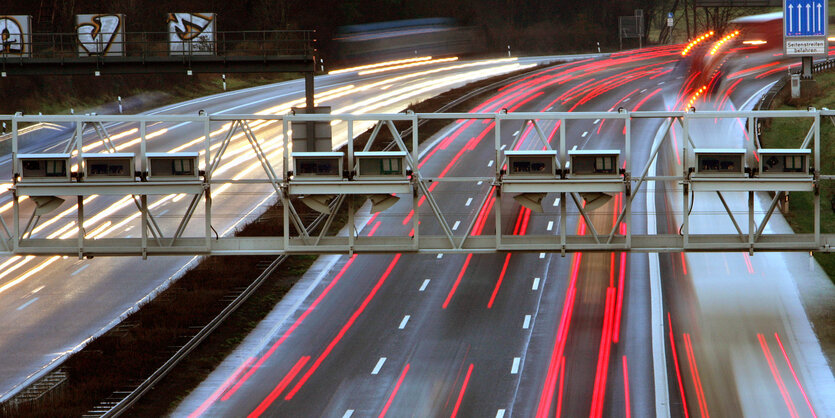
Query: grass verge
{"x": 136, "y": 348}
{"x": 789, "y": 133}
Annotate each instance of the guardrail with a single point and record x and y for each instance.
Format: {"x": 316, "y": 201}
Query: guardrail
{"x": 158, "y": 44}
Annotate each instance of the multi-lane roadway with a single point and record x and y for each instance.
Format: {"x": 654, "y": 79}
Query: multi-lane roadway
{"x": 51, "y": 306}
{"x": 539, "y": 334}
{"x": 483, "y": 335}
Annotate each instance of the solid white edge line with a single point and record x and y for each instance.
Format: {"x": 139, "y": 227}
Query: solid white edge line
{"x": 379, "y": 365}
{"x": 659, "y": 356}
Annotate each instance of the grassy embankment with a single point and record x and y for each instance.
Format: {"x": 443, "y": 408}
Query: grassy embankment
{"x": 789, "y": 133}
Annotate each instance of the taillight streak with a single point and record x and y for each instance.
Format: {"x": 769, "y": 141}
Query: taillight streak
{"x": 344, "y": 329}
{"x": 292, "y": 328}
{"x": 627, "y": 407}
{"x": 394, "y": 392}
{"x": 777, "y": 378}
{"x": 796, "y": 380}
{"x": 213, "y": 397}
{"x": 603, "y": 356}
{"x": 463, "y": 389}
{"x": 262, "y": 407}
{"x": 694, "y": 372}
{"x": 678, "y": 369}
{"x": 457, "y": 281}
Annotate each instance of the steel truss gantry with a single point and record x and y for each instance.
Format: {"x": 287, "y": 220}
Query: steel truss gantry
{"x": 417, "y": 184}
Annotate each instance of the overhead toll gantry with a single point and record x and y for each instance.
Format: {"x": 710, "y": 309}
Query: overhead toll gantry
{"x": 325, "y": 180}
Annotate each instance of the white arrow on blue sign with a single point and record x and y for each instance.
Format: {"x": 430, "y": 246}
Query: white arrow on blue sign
{"x": 804, "y": 18}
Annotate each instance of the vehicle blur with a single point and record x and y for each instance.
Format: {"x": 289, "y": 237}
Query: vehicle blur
{"x": 763, "y": 29}
{"x": 402, "y": 39}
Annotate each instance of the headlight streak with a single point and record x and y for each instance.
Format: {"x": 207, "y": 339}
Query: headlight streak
{"x": 414, "y": 64}
{"x": 69, "y": 230}
{"x": 379, "y": 64}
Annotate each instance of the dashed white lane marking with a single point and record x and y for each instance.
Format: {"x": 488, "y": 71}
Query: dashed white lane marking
{"x": 490, "y": 164}
{"x": 79, "y": 270}
{"x": 516, "y": 133}
{"x": 527, "y": 322}
{"x": 469, "y": 201}
{"x": 626, "y": 100}
{"x": 479, "y": 182}
{"x": 550, "y": 225}
{"x": 515, "y": 368}
{"x": 503, "y": 146}
{"x": 573, "y": 148}
{"x": 163, "y": 212}
{"x": 596, "y": 120}
{"x": 440, "y": 256}
{"x": 541, "y": 255}
{"x": 404, "y": 322}
{"x": 500, "y": 412}
{"x": 379, "y": 365}
{"x": 423, "y": 286}
{"x": 348, "y": 414}
{"x": 455, "y": 226}
{"x": 557, "y": 201}
{"x": 643, "y": 90}
{"x": 585, "y": 133}
{"x": 535, "y": 283}
{"x": 38, "y": 289}
{"x": 22, "y": 307}
{"x": 660, "y": 83}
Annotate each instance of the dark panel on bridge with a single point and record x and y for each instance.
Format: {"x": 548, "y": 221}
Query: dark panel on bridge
{"x": 156, "y": 65}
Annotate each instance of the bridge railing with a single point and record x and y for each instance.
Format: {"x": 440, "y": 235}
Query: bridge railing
{"x": 158, "y": 44}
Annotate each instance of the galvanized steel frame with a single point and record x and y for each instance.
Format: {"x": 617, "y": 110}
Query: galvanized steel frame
{"x": 15, "y": 241}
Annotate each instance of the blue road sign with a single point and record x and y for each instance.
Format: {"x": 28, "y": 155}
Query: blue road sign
{"x": 805, "y": 18}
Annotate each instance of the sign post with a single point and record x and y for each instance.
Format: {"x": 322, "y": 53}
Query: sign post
{"x": 670, "y": 26}
{"x": 805, "y": 24}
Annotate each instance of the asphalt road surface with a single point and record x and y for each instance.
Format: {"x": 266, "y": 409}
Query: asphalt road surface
{"x": 539, "y": 334}
{"x": 51, "y": 306}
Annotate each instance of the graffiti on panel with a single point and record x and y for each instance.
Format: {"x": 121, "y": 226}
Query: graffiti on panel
{"x": 15, "y": 35}
{"x": 191, "y": 33}
{"x": 100, "y": 34}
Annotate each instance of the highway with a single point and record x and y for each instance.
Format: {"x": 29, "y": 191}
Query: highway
{"x": 482, "y": 335}
{"x": 52, "y": 306}
{"x": 539, "y": 334}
